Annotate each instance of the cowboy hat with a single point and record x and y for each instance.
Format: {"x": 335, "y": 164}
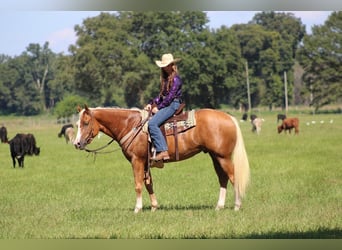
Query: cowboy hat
{"x": 166, "y": 60}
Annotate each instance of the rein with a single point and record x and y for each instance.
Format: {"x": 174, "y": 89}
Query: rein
{"x": 96, "y": 151}
{"x": 137, "y": 130}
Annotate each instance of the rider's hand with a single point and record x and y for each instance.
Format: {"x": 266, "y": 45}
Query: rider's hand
{"x": 148, "y": 107}
{"x": 155, "y": 110}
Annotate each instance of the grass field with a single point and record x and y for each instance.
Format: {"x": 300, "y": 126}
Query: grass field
{"x": 295, "y": 190}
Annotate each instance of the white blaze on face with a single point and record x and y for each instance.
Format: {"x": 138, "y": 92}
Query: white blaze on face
{"x": 78, "y": 136}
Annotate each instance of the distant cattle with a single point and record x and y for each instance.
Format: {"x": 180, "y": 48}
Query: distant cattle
{"x": 252, "y": 117}
{"x": 64, "y": 128}
{"x": 256, "y": 125}
{"x": 68, "y": 132}
{"x": 69, "y": 135}
{"x": 289, "y": 124}
{"x": 244, "y": 117}
{"x": 281, "y": 117}
{"x": 21, "y": 145}
{"x": 3, "y": 135}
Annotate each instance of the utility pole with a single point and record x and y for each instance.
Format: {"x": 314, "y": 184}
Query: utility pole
{"x": 248, "y": 91}
{"x": 285, "y": 87}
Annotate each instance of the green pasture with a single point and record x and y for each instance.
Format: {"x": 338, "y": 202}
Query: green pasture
{"x": 295, "y": 190}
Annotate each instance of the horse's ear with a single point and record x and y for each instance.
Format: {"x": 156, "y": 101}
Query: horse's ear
{"x": 86, "y": 107}
{"x": 79, "y": 109}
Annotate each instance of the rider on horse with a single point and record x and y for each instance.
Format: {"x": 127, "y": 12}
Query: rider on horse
{"x": 165, "y": 104}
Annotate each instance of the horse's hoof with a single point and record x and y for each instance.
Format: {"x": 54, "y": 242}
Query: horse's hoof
{"x": 154, "y": 208}
{"x": 137, "y": 210}
{"x": 218, "y": 208}
{"x": 237, "y": 207}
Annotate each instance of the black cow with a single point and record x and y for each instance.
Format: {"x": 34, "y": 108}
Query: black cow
{"x": 64, "y": 128}
{"x": 252, "y": 117}
{"x": 21, "y": 145}
{"x": 281, "y": 117}
{"x": 3, "y": 135}
{"x": 244, "y": 117}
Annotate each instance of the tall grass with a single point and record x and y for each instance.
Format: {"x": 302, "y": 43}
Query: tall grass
{"x": 295, "y": 189}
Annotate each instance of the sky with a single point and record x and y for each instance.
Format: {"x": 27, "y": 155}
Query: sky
{"x": 20, "y": 28}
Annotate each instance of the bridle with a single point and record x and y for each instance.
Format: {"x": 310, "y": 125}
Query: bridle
{"x": 90, "y": 136}
{"x": 90, "y": 125}
{"x": 129, "y": 137}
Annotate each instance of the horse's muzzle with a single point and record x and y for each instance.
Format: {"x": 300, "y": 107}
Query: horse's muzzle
{"x": 79, "y": 145}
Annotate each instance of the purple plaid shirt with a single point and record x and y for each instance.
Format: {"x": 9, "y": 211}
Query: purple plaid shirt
{"x": 168, "y": 96}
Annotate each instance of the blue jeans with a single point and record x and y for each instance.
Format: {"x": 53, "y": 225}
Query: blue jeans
{"x": 157, "y": 119}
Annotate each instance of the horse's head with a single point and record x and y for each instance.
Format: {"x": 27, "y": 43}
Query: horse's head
{"x": 87, "y": 126}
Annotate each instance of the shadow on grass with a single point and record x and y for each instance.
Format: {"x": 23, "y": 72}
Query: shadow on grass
{"x": 180, "y": 207}
{"x": 320, "y": 233}
{"x": 183, "y": 207}
{"x": 315, "y": 234}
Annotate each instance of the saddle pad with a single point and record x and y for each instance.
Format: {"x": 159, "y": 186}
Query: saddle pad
{"x": 181, "y": 125}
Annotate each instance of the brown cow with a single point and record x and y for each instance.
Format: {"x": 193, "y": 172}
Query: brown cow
{"x": 289, "y": 124}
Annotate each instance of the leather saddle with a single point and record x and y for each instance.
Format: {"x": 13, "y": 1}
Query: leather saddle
{"x": 175, "y": 125}
{"x": 178, "y": 123}
{"x": 172, "y": 126}
{"x": 179, "y": 115}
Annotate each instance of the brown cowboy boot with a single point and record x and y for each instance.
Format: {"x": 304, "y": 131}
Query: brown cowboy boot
{"x": 164, "y": 155}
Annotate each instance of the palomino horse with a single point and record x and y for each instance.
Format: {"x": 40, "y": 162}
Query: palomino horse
{"x": 216, "y": 133}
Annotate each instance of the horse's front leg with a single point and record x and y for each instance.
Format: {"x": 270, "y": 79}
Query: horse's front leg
{"x": 139, "y": 178}
{"x": 138, "y": 173}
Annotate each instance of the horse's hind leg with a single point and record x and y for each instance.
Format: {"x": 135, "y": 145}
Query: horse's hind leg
{"x": 225, "y": 171}
{"x": 228, "y": 166}
{"x": 149, "y": 187}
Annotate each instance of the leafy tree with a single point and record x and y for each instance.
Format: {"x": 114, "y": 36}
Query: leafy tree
{"x": 63, "y": 82}
{"x": 233, "y": 89}
{"x": 115, "y": 50}
{"x": 184, "y": 35}
{"x": 7, "y": 78}
{"x": 24, "y": 79}
{"x": 257, "y": 48}
{"x": 290, "y": 28}
{"x": 68, "y": 106}
{"x": 159, "y": 32}
{"x": 113, "y": 63}
{"x": 101, "y": 58}
{"x": 39, "y": 60}
{"x": 264, "y": 52}
{"x": 18, "y": 94}
{"x": 321, "y": 57}
{"x": 292, "y": 31}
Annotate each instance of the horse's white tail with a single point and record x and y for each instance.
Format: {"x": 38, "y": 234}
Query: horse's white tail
{"x": 240, "y": 161}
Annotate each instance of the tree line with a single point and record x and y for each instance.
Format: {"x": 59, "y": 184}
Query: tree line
{"x": 112, "y": 63}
